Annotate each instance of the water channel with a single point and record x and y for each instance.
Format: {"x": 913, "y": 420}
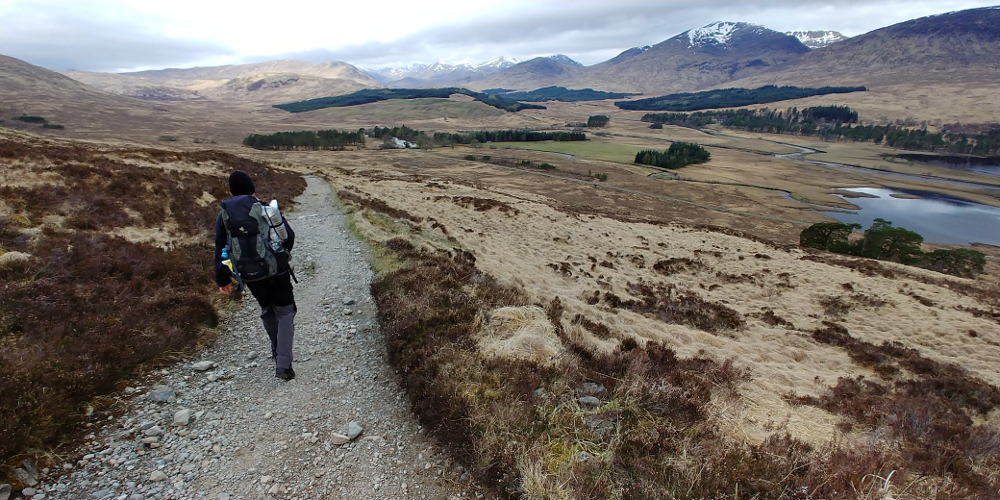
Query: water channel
{"x": 938, "y": 218}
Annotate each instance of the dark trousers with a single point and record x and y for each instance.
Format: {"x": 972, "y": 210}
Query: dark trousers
{"x": 277, "y": 311}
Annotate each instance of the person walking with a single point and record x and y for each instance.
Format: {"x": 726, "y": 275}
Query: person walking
{"x": 267, "y": 276}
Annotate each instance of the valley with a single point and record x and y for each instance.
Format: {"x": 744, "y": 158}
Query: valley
{"x": 540, "y": 318}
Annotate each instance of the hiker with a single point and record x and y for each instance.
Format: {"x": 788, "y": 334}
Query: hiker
{"x": 264, "y": 271}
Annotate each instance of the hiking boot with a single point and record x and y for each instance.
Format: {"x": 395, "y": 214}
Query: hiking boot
{"x": 288, "y": 374}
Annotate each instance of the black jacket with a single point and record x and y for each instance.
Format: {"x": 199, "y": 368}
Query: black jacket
{"x": 222, "y": 273}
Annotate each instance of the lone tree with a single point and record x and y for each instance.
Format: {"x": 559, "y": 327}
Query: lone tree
{"x": 884, "y": 242}
{"x": 831, "y": 236}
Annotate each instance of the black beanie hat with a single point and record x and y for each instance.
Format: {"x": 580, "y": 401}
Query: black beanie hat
{"x": 241, "y": 183}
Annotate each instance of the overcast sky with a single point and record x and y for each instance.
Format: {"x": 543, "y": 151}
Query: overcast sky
{"x": 124, "y": 35}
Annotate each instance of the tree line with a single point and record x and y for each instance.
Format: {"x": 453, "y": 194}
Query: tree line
{"x": 322, "y": 139}
{"x": 444, "y": 138}
{"x": 563, "y": 94}
{"x": 338, "y": 140}
{"x": 729, "y": 98}
{"x": 882, "y": 241}
{"x": 835, "y": 123}
{"x": 366, "y": 96}
{"x": 680, "y": 154}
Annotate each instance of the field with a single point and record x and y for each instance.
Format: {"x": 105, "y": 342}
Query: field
{"x": 652, "y": 335}
{"x": 759, "y": 362}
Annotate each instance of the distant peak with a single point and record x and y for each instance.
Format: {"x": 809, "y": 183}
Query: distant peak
{"x": 717, "y": 33}
{"x": 564, "y": 59}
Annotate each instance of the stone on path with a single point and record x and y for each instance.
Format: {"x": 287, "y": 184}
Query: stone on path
{"x": 203, "y": 366}
{"x": 162, "y": 394}
{"x": 5, "y": 490}
{"x": 354, "y": 430}
{"x": 25, "y": 477}
{"x": 338, "y": 439}
{"x": 589, "y": 402}
{"x": 348, "y": 301}
{"x": 157, "y": 476}
{"x": 182, "y": 417}
{"x": 223, "y": 496}
{"x": 154, "y": 431}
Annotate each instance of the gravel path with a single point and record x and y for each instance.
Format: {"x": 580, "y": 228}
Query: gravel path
{"x": 250, "y": 435}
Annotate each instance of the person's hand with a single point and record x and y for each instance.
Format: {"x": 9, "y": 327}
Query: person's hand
{"x": 226, "y": 290}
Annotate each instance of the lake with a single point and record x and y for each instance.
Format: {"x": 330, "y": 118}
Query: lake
{"x": 936, "y": 217}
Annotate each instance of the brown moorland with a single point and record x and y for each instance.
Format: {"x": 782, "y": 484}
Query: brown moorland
{"x": 723, "y": 365}
{"x": 105, "y": 258}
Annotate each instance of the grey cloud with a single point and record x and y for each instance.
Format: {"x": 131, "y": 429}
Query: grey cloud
{"x": 588, "y": 30}
{"x": 74, "y": 37}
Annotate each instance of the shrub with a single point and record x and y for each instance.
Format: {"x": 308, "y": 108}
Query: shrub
{"x": 656, "y": 126}
{"x": 30, "y": 119}
{"x": 547, "y": 166}
{"x": 470, "y": 157}
{"x": 601, "y": 177}
{"x": 53, "y": 126}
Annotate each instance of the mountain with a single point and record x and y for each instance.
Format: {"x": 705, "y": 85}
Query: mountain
{"x": 817, "y": 39}
{"x": 440, "y": 74}
{"x": 535, "y": 73}
{"x": 717, "y": 53}
{"x": 132, "y": 86}
{"x": 261, "y": 83}
{"x": 948, "y": 47}
{"x": 942, "y": 67}
{"x": 83, "y": 110}
{"x": 331, "y": 70}
{"x": 628, "y": 54}
{"x": 564, "y": 59}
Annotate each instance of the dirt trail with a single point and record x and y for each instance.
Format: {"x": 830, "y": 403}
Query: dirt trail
{"x": 252, "y": 436}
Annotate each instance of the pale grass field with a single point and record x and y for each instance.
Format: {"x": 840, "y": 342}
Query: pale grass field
{"x": 518, "y": 249}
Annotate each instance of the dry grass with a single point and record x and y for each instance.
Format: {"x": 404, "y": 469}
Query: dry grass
{"x": 678, "y": 297}
{"x": 105, "y": 269}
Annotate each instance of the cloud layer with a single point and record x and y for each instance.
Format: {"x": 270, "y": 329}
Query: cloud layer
{"x": 105, "y": 35}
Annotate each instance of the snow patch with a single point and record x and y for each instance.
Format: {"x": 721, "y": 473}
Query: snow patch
{"x": 717, "y": 33}
{"x": 817, "y": 39}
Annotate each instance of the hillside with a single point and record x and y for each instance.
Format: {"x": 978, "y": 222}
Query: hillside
{"x": 261, "y": 83}
{"x": 83, "y": 110}
{"x": 535, "y": 73}
{"x": 715, "y": 54}
{"x": 132, "y": 86}
{"x": 939, "y": 67}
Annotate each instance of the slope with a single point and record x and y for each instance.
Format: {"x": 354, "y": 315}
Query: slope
{"x": 715, "y": 54}
{"x": 533, "y": 74}
{"x": 942, "y": 67}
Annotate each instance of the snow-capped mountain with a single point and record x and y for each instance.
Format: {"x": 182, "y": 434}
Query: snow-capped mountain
{"x": 719, "y": 33}
{"x": 717, "y": 53}
{"x": 564, "y": 59}
{"x": 441, "y": 73}
{"x": 817, "y": 39}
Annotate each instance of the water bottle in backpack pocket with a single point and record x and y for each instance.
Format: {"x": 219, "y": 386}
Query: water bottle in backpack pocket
{"x": 251, "y": 249}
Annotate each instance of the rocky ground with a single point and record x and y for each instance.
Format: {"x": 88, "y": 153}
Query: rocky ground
{"x": 222, "y": 427}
